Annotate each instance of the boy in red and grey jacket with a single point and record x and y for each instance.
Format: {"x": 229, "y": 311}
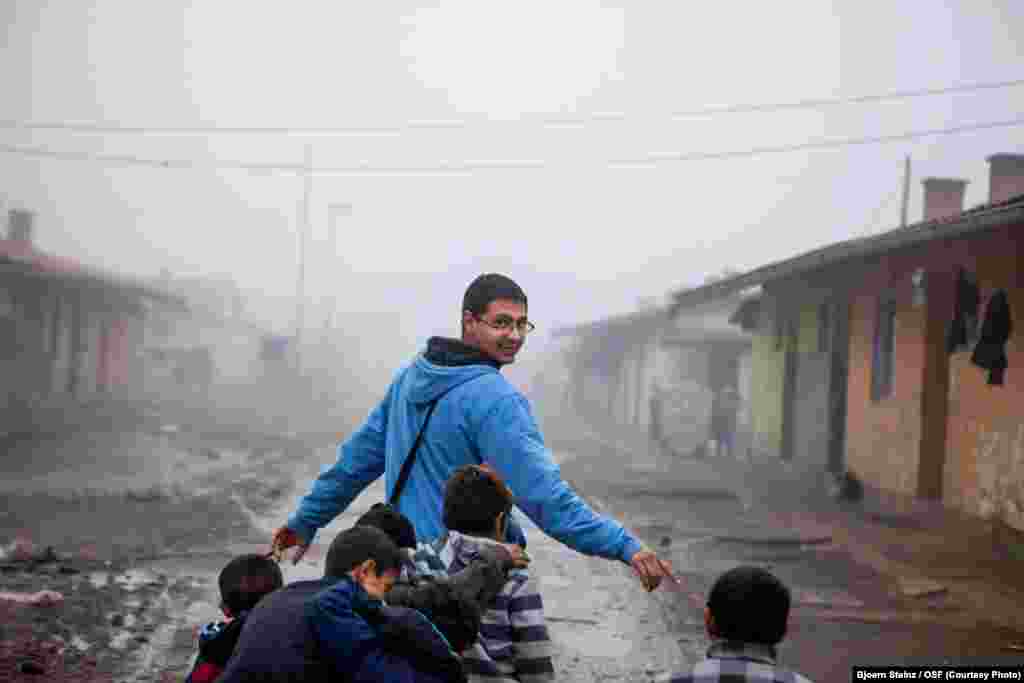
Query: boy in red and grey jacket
{"x": 243, "y": 582}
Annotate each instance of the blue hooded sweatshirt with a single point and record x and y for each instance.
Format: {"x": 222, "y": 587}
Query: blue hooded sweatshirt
{"x": 480, "y": 418}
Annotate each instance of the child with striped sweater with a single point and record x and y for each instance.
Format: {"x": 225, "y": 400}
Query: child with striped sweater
{"x": 514, "y": 644}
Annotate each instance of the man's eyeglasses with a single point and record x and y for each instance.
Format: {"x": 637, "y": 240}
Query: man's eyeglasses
{"x": 505, "y": 324}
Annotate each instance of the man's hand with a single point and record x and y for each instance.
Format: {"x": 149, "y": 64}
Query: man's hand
{"x": 519, "y": 559}
{"x": 283, "y": 539}
{"x": 651, "y": 569}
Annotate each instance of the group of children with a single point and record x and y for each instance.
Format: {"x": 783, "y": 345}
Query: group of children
{"x": 462, "y": 608}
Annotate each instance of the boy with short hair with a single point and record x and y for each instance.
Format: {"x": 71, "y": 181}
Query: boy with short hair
{"x": 243, "y": 582}
{"x": 746, "y": 617}
{"x": 514, "y": 644}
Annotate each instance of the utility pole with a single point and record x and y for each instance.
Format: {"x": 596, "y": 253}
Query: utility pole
{"x": 906, "y": 192}
{"x": 303, "y": 236}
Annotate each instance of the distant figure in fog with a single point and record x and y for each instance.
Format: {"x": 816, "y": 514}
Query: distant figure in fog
{"x": 656, "y": 430}
{"x": 243, "y": 582}
{"x": 746, "y": 617}
{"x": 724, "y": 408}
{"x": 480, "y": 417}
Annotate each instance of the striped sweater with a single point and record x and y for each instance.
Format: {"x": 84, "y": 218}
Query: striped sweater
{"x": 514, "y": 644}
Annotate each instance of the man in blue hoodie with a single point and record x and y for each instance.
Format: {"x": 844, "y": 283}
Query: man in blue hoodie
{"x": 480, "y": 418}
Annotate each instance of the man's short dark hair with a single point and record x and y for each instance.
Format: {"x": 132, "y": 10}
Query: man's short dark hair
{"x": 491, "y": 287}
{"x": 246, "y": 579}
{"x": 750, "y": 604}
{"x": 473, "y": 498}
{"x": 352, "y": 547}
{"x": 392, "y": 522}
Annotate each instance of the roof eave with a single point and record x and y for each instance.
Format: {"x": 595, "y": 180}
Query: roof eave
{"x": 847, "y": 250}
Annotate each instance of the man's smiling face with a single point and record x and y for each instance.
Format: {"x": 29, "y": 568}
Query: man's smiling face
{"x": 497, "y": 332}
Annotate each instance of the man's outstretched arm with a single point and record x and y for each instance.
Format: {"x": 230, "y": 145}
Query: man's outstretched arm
{"x": 361, "y": 460}
{"x": 512, "y": 443}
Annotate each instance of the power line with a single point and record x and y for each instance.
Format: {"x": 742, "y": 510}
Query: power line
{"x": 468, "y": 167}
{"x": 655, "y": 159}
{"x": 842, "y": 101}
{"x": 458, "y": 124}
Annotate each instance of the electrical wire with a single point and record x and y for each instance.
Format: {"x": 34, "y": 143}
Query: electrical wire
{"x": 655, "y": 159}
{"x": 468, "y": 167}
{"x": 458, "y": 124}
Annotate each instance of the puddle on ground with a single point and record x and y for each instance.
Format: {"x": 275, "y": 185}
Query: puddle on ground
{"x": 80, "y": 643}
{"x": 120, "y": 640}
{"x": 133, "y": 579}
{"x": 99, "y": 579}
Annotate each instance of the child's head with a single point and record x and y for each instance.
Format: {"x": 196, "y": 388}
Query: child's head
{"x": 366, "y": 554}
{"x": 748, "y": 604}
{"x": 477, "y": 502}
{"x": 392, "y": 522}
{"x": 246, "y": 579}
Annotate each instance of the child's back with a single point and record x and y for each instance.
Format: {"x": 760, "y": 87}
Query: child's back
{"x": 514, "y": 644}
{"x": 747, "y": 615}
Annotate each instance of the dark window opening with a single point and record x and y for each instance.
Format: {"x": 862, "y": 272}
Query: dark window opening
{"x": 824, "y": 327}
{"x": 883, "y": 361}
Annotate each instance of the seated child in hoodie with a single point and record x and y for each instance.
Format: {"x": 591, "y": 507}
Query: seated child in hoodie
{"x": 338, "y": 627}
{"x": 514, "y": 644}
{"x": 243, "y": 581}
{"x": 453, "y": 603}
{"x": 365, "y": 638}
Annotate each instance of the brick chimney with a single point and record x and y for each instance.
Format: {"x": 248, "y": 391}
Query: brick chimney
{"x": 943, "y": 197}
{"x": 19, "y": 226}
{"x": 1006, "y": 176}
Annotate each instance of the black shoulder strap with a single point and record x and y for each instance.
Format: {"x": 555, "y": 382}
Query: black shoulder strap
{"x": 403, "y": 475}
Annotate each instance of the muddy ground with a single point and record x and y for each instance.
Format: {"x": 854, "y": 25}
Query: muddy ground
{"x": 129, "y": 565}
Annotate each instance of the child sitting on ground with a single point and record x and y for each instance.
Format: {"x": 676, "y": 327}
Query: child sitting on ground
{"x": 243, "y": 582}
{"x": 514, "y": 644}
{"x": 746, "y": 617}
{"x": 339, "y": 627}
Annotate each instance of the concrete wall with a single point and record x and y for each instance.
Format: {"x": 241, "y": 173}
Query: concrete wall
{"x": 884, "y": 436}
{"x": 944, "y": 430}
{"x": 767, "y": 365}
{"x": 984, "y": 469}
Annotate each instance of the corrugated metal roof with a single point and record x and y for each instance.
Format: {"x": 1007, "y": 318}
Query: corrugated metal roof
{"x": 638, "y": 321}
{"x": 32, "y": 262}
{"x": 984, "y": 217}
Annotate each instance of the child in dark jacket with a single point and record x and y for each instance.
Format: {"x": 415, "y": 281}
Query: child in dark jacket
{"x": 339, "y": 628}
{"x": 243, "y": 582}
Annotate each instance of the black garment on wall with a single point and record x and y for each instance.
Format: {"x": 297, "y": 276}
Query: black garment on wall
{"x": 990, "y": 353}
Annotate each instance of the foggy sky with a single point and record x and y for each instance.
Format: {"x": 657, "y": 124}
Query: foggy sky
{"x": 585, "y": 240}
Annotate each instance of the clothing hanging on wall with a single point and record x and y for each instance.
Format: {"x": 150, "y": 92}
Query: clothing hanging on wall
{"x": 990, "y": 353}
